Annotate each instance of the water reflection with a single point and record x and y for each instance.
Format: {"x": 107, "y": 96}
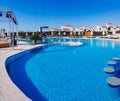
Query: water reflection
{"x": 104, "y": 43}
{"x": 113, "y": 44}
{"x": 91, "y": 42}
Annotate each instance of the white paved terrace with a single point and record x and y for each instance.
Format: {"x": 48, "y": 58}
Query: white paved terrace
{"x": 8, "y": 90}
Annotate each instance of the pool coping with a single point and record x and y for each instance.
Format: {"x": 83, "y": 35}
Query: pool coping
{"x": 8, "y": 90}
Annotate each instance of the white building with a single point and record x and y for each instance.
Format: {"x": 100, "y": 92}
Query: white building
{"x": 108, "y": 24}
{"x": 67, "y": 28}
{"x": 117, "y": 27}
{"x": 105, "y": 28}
{"x": 2, "y": 32}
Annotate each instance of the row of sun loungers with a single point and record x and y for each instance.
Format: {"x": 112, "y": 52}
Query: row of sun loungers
{"x": 4, "y": 44}
{"x": 110, "y": 36}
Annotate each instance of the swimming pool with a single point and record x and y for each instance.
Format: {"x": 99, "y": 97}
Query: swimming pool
{"x": 58, "y": 72}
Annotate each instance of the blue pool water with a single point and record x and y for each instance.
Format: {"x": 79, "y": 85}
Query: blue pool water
{"x": 58, "y": 72}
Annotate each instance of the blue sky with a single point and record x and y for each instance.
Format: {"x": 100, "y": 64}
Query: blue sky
{"x": 32, "y": 14}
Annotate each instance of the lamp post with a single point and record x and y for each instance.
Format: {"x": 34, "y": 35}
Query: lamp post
{"x": 27, "y": 37}
{"x": 52, "y": 33}
{"x": 10, "y": 17}
{"x": 59, "y": 33}
{"x": 114, "y": 31}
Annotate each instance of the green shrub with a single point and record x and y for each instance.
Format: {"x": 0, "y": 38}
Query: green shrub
{"x": 22, "y": 34}
{"x": 96, "y": 33}
{"x": 118, "y": 31}
{"x": 36, "y": 37}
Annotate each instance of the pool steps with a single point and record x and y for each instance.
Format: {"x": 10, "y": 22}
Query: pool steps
{"x": 109, "y": 70}
{"x": 113, "y": 81}
{"x": 111, "y": 63}
{"x": 116, "y": 58}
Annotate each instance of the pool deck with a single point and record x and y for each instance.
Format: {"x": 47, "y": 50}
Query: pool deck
{"x": 8, "y": 90}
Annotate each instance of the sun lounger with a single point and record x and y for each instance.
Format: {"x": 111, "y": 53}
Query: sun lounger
{"x": 4, "y": 44}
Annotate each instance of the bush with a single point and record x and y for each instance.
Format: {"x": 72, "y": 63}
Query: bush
{"x": 96, "y": 33}
{"x": 22, "y": 34}
{"x": 110, "y": 33}
{"x": 48, "y": 33}
{"x": 36, "y": 37}
{"x": 118, "y": 31}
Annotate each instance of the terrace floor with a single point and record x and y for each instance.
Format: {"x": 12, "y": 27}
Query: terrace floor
{"x": 8, "y": 90}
